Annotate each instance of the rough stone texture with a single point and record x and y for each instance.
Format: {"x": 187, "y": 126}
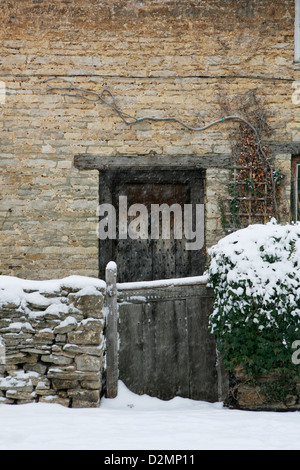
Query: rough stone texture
{"x": 271, "y": 392}
{"x": 160, "y": 58}
{"x": 217, "y": 181}
{"x": 53, "y": 345}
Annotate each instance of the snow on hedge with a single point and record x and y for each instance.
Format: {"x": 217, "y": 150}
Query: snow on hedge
{"x": 255, "y": 273}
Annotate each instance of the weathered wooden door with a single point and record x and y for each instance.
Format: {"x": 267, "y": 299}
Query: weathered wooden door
{"x": 165, "y": 348}
{"x": 151, "y": 258}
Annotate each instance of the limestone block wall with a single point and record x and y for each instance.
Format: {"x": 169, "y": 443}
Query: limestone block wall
{"x": 53, "y": 337}
{"x": 217, "y": 182}
{"x": 274, "y": 391}
{"x": 161, "y": 58}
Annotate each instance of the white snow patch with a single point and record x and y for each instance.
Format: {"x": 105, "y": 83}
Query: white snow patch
{"x": 68, "y": 321}
{"x": 12, "y": 289}
{"x": 131, "y": 422}
{"x": 19, "y": 326}
{"x": 263, "y": 258}
{"x": 163, "y": 283}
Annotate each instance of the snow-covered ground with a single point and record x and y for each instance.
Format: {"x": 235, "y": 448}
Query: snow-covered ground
{"x": 131, "y": 422}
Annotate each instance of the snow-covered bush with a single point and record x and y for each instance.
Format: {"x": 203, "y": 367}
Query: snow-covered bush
{"x": 255, "y": 274}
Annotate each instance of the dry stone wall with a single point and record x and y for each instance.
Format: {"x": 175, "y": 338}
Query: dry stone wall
{"x": 274, "y": 391}
{"x": 54, "y": 344}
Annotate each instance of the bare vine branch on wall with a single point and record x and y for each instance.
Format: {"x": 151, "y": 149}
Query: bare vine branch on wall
{"x": 254, "y": 131}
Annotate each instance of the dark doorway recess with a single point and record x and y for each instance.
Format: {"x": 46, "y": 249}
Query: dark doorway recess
{"x": 152, "y": 259}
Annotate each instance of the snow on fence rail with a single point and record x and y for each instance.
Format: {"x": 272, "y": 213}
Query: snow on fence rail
{"x": 186, "y": 281}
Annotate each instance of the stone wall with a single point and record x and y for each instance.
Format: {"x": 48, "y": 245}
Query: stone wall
{"x": 54, "y": 345}
{"x": 160, "y": 58}
{"x": 217, "y": 183}
{"x": 275, "y": 391}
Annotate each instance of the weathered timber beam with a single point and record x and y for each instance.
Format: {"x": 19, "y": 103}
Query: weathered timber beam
{"x": 184, "y": 162}
{"x": 292, "y": 148}
{"x": 164, "y": 293}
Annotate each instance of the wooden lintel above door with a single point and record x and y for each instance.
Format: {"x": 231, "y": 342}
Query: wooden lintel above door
{"x": 183, "y": 162}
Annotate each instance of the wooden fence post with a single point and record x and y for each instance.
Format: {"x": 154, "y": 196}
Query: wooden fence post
{"x": 112, "y": 366}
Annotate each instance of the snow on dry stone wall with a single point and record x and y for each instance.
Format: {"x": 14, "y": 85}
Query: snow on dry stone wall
{"x": 53, "y": 336}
